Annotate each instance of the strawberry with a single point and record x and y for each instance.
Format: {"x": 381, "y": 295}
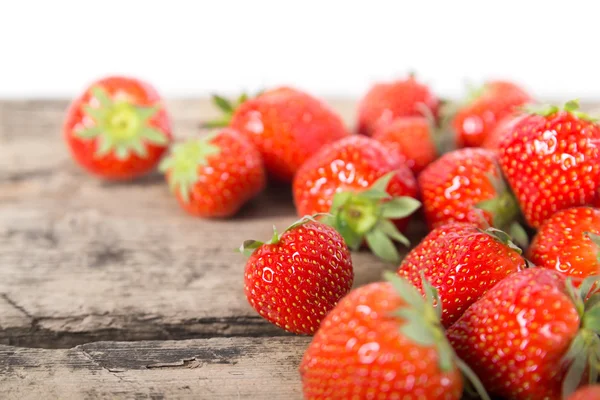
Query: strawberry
{"x": 118, "y": 129}
{"x": 214, "y": 176}
{"x": 465, "y": 185}
{"x": 411, "y": 140}
{"x": 569, "y": 241}
{"x": 502, "y": 128}
{"x": 286, "y": 125}
{"x": 590, "y": 392}
{"x": 383, "y": 341}
{"x": 474, "y": 120}
{"x": 531, "y": 336}
{"x": 297, "y": 277}
{"x": 368, "y": 192}
{"x": 551, "y": 160}
{"x": 462, "y": 262}
{"x": 386, "y": 101}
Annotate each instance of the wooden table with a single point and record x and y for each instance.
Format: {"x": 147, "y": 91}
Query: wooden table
{"x": 109, "y": 290}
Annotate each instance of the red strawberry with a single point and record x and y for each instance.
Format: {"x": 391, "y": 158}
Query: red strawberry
{"x": 569, "y": 242}
{"x": 364, "y": 187}
{"x": 462, "y": 262}
{"x": 476, "y": 119}
{"x": 382, "y": 341}
{"x": 590, "y": 392}
{"x": 552, "y": 161}
{"x": 411, "y": 140}
{"x": 118, "y": 128}
{"x": 286, "y": 125}
{"x": 504, "y": 127}
{"x": 531, "y": 336}
{"x": 296, "y": 278}
{"x": 214, "y": 176}
{"x": 465, "y": 185}
{"x": 386, "y": 101}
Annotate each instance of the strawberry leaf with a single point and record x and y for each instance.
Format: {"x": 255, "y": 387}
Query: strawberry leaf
{"x": 382, "y": 246}
{"x": 249, "y": 246}
{"x": 400, "y": 207}
{"x": 390, "y": 230}
{"x": 382, "y": 183}
{"x": 222, "y": 103}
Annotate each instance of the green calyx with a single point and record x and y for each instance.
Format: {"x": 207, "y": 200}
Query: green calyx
{"x": 368, "y": 216}
{"x": 227, "y": 108}
{"x": 422, "y": 316}
{"x": 121, "y": 128}
{"x": 596, "y": 240}
{"x": 571, "y": 106}
{"x": 442, "y": 138}
{"x": 181, "y": 166}
{"x": 502, "y": 237}
{"x": 583, "y": 355}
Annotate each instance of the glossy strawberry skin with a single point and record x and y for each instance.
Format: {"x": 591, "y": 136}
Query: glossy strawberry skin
{"x": 516, "y": 335}
{"x": 287, "y": 126}
{"x": 228, "y": 180}
{"x": 453, "y": 185}
{"x": 561, "y": 243}
{"x": 296, "y": 282}
{"x": 110, "y": 167}
{"x": 551, "y": 163}
{"x": 351, "y": 164}
{"x": 410, "y": 139}
{"x": 359, "y": 352}
{"x": 475, "y": 121}
{"x": 591, "y": 392}
{"x": 387, "y": 101}
{"x": 462, "y": 262}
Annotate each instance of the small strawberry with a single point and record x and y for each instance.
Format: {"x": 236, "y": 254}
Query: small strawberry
{"x": 286, "y": 125}
{"x": 386, "y": 101}
{"x": 590, "y": 392}
{"x": 383, "y": 341}
{"x": 297, "y": 277}
{"x": 462, "y": 262}
{"x": 569, "y": 241}
{"x": 367, "y": 191}
{"x": 532, "y": 336}
{"x": 551, "y": 160}
{"x": 465, "y": 185}
{"x": 474, "y": 120}
{"x": 216, "y": 175}
{"x": 118, "y": 129}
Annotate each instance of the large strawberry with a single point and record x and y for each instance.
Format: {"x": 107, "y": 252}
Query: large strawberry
{"x": 386, "y": 101}
{"x": 467, "y": 185}
{"x": 364, "y": 188}
{"x": 286, "y": 125}
{"x": 551, "y": 160}
{"x": 215, "y": 175}
{"x": 383, "y": 341}
{"x": 297, "y": 277}
{"x": 569, "y": 241}
{"x": 473, "y": 120}
{"x": 462, "y": 262}
{"x": 532, "y": 336}
{"x": 590, "y": 392}
{"x": 118, "y": 128}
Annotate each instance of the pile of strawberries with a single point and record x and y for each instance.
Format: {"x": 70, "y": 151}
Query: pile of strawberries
{"x": 501, "y": 298}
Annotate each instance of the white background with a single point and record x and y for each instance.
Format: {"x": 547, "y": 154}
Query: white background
{"x": 336, "y": 48}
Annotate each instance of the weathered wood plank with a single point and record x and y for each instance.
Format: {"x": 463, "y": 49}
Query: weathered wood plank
{"x": 223, "y": 368}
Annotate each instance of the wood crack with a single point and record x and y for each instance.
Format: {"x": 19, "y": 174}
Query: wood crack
{"x": 16, "y": 306}
{"x": 87, "y": 355}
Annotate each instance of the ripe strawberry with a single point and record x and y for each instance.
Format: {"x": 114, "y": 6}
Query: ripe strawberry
{"x": 411, "y": 140}
{"x": 364, "y": 187}
{"x": 118, "y": 128}
{"x": 552, "y": 161}
{"x": 386, "y": 101}
{"x": 569, "y": 242}
{"x": 502, "y": 128}
{"x": 383, "y": 341}
{"x": 296, "y": 278}
{"x": 214, "y": 176}
{"x": 590, "y": 392}
{"x": 286, "y": 125}
{"x": 531, "y": 336}
{"x": 465, "y": 185}
{"x": 486, "y": 106}
{"x": 462, "y": 262}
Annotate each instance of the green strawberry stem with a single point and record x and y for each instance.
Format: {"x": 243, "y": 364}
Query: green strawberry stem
{"x": 423, "y": 326}
{"x": 583, "y": 355}
{"x": 504, "y": 207}
{"x": 368, "y": 216}
{"x": 442, "y": 139}
{"x": 227, "y": 108}
{"x": 571, "y": 106}
{"x": 120, "y": 127}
